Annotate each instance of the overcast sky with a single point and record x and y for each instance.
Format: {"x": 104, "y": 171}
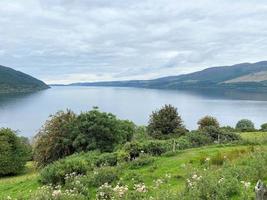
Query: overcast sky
{"x": 63, "y": 41}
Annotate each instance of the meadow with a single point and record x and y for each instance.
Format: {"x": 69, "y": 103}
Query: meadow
{"x": 177, "y": 165}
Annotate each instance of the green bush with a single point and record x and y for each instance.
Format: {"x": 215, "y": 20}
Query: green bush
{"x": 208, "y": 121}
{"x": 182, "y": 143}
{"x": 13, "y": 153}
{"x": 155, "y": 147}
{"x": 102, "y": 131}
{"x": 141, "y": 161}
{"x": 197, "y": 139}
{"x": 229, "y": 136}
{"x": 141, "y": 134}
{"x": 107, "y": 159}
{"x": 245, "y": 125}
{"x": 55, "y": 172}
{"x": 65, "y": 134}
{"x": 264, "y": 127}
{"x": 54, "y": 140}
{"x": 103, "y": 175}
{"x": 133, "y": 149}
{"x": 165, "y": 123}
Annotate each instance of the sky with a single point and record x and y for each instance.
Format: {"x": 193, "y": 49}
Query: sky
{"x": 65, "y": 41}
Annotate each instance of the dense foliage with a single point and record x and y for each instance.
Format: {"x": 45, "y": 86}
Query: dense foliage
{"x": 208, "y": 121}
{"x": 13, "y": 152}
{"x": 165, "y": 123}
{"x": 264, "y": 127}
{"x": 66, "y": 133}
{"x": 15, "y": 81}
{"x": 103, "y": 131}
{"x": 245, "y": 125}
{"x": 55, "y": 139}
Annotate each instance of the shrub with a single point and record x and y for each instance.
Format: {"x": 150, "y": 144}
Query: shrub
{"x": 182, "y": 143}
{"x": 103, "y": 131}
{"x": 165, "y": 123}
{"x": 103, "y": 175}
{"x": 245, "y": 125}
{"x": 155, "y": 148}
{"x": 141, "y": 134}
{"x": 13, "y": 153}
{"x": 208, "y": 121}
{"x": 107, "y": 159}
{"x": 133, "y": 149}
{"x": 229, "y": 136}
{"x": 54, "y": 140}
{"x": 264, "y": 127}
{"x": 197, "y": 139}
{"x": 56, "y": 172}
{"x": 142, "y": 161}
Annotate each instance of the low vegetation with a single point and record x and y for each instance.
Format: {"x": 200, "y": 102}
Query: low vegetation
{"x": 94, "y": 155}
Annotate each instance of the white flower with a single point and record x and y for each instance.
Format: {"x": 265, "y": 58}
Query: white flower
{"x": 194, "y": 176}
{"x": 56, "y": 193}
{"x": 221, "y": 180}
{"x": 140, "y": 187}
{"x": 207, "y": 159}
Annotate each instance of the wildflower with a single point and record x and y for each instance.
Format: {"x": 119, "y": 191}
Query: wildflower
{"x": 194, "y": 176}
{"x": 140, "y": 188}
{"x": 221, "y": 180}
{"x": 120, "y": 190}
{"x": 246, "y": 184}
{"x": 168, "y": 176}
{"x": 56, "y": 193}
{"x": 207, "y": 159}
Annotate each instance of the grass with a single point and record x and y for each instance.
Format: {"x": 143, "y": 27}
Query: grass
{"x": 257, "y": 137}
{"x": 177, "y": 164}
{"x": 20, "y": 186}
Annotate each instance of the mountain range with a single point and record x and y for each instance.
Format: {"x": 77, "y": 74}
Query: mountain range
{"x": 12, "y": 81}
{"x": 248, "y": 76}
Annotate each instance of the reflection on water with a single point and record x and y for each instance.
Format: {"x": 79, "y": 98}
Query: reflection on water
{"x": 27, "y": 112}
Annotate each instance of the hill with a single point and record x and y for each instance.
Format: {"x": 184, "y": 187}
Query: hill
{"x": 12, "y": 81}
{"x": 248, "y": 76}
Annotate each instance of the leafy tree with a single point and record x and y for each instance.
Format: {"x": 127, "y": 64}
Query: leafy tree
{"x": 13, "y": 153}
{"x": 208, "y": 121}
{"x": 245, "y": 125}
{"x": 28, "y": 147}
{"x": 55, "y": 138}
{"x": 264, "y": 127}
{"x": 165, "y": 122}
{"x": 103, "y": 131}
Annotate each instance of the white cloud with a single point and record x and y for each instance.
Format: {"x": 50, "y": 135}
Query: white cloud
{"x": 90, "y": 40}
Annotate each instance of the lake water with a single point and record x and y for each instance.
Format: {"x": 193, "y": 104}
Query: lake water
{"x": 27, "y": 113}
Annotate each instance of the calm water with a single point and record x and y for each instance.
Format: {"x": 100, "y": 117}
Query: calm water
{"x": 27, "y": 113}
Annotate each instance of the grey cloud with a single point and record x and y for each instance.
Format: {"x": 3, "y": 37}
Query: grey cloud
{"x": 89, "y": 40}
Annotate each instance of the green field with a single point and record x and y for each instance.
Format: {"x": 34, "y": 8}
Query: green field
{"x": 22, "y": 185}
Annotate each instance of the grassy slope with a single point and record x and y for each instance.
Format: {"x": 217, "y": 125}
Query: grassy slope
{"x": 20, "y": 186}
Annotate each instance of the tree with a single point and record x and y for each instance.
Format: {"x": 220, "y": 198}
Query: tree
{"x": 13, "y": 153}
{"x": 102, "y": 131}
{"x": 208, "y": 121}
{"x": 245, "y": 125}
{"x": 55, "y": 138}
{"x": 165, "y": 123}
{"x": 264, "y": 127}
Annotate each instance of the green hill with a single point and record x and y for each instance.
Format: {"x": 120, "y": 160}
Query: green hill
{"x": 250, "y": 76}
{"x": 12, "y": 81}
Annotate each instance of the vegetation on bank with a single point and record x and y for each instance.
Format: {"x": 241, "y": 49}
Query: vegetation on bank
{"x": 12, "y": 81}
{"x": 94, "y": 155}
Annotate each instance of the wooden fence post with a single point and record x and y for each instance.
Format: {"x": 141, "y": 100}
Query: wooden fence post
{"x": 261, "y": 191}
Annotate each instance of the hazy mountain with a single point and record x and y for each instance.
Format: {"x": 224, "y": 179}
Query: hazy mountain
{"x": 239, "y": 76}
{"x": 12, "y": 81}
